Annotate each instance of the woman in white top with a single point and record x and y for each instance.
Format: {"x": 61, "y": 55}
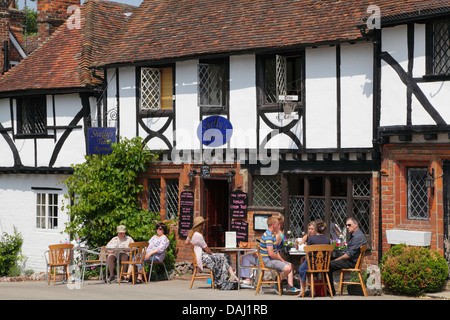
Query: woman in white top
{"x": 219, "y": 263}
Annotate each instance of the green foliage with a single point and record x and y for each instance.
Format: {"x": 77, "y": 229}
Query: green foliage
{"x": 30, "y": 21}
{"x": 10, "y": 246}
{"x": 104, "y": 193}
{"x": 413, "y": 270}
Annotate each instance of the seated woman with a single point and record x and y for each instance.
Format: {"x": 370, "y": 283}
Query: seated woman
{"x": 219, "y": 263}
{"x": 157, "y": 245}
{"x": 318, "y": 238}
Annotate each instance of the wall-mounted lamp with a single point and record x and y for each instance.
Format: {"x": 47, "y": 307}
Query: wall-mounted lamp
{"x": 429, "y": 181}
{"x": 230, "y": 175}
{"x": 192, "y": 175}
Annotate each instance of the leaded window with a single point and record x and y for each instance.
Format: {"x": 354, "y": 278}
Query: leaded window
{"x": 267, "y": 191}
{"x": 172, "y": 189}
{"x": 163, "y": 196}
{"x": 281, "y": 76}
{"x": 439, "y": 47}
{"x": 212, "y": 84}
{"x": 156, "y": 88}
{"x": 333, "y": 198}
{"x": 32, "y": 116}
{"x": 417, "y": 194}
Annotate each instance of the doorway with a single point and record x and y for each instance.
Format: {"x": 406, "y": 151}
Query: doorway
{"x": 215, "y": 208}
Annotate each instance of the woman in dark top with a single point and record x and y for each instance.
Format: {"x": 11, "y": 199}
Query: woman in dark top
{"x": 318, "y": 238}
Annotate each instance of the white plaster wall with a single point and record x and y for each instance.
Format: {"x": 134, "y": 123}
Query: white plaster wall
{"x": 419, "y": 50}
{"x": 16, "y": 192}
{"x": 356, "y": 95}
{"x": 156, "y": 124}
{"x": 393, "y": 91}
{"x": 187, "y": 110}
{"x": 321, "y": 106}
{"x": 6, "y": 158}
{"x": 243, "y": 116}
{"x": 127, "y": 107}
{"x": 111, "y": 100}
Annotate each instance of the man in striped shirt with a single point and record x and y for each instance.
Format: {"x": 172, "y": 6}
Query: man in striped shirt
{"x": 271, "y": 256}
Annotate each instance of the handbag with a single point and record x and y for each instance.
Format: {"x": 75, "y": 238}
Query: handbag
{"x": 229, "y": 285}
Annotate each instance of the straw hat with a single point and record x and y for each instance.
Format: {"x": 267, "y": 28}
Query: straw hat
{"x": 121, "y": 228}
{"x": 198, "y": 221}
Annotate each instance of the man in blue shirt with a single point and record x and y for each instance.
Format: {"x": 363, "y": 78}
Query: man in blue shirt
{"x": 271, "y": 256}
{"x": 351, "y": 253}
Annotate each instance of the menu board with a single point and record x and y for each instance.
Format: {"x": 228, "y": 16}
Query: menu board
{"x": 186, "y": 217}
{"x": 241, "y": 229}
{"x": 238, "y": 205}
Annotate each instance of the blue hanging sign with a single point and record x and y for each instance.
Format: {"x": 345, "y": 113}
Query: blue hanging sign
{"x": 98, "y": 140}
{"x": 214, "y": 131}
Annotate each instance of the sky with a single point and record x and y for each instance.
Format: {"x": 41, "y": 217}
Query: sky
{"x": 32, "y": 4}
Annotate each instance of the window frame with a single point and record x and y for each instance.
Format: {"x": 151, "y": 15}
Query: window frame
{"x": 261, "y": 77}
{"x": 163, "y": 196}
{"x": 47, "y": 213}
{"x": 409, "y": 214}
{"x": 161, "y": 110}
{"x": 31, "y": 103}
{"x": 430, "y": 49}
{"x": 224, "y": 65}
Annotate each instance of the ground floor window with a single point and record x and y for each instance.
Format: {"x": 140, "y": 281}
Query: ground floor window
{"x": 332, "y": 198}
{"x": 46, "y": 211}
{"x": 417, "y": 194}
{"x": 163, "y": 197}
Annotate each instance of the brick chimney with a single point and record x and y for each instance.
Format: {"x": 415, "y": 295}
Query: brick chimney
{"x": 52, "y": 14}
{"x": 4, "y": 34}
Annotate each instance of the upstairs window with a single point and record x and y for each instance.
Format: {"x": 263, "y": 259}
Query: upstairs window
{"x": 156, "y": 89}
{"x": 212, "y": 83}
{"x": 32, "y": 116}
{"x": 281, "y": 75}
{"x": 438, "y": 55}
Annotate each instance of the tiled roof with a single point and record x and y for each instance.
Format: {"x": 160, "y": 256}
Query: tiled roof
{"x": 63, "y": 61}
{"x": 171, "y": 29}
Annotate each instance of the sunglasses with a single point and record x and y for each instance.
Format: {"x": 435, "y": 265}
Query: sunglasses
{"x": 349, "y": 225}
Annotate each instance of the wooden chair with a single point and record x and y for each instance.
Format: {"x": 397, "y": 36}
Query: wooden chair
{"x": 263, "y": 269}
{"x": 318, "y": 258}
{"x": 196, "y": 275}
{"x": 137, "y": 256}
{"x": 59, "y": 255}
{"x": 357, "y": 269}
{"x": 101, "y": 262}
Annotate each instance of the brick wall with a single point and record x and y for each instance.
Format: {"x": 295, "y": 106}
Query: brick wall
{"x": 4, "y": 28}
{"x": 396, "y": 159}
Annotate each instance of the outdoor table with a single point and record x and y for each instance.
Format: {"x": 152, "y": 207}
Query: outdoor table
{"x": 237, "y": 252}
{"x": 296, "y": 254}
{"x": 117, "y": 251}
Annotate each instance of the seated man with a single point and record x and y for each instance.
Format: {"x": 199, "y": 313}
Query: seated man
{"x": 351, "y": 253}
{"x": 271, "y": 256}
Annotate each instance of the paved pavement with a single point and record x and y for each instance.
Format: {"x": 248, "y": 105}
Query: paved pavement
{"x": 163, "y": 290}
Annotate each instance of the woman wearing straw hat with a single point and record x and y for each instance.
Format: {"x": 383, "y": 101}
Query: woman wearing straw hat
{"x": 219, "y": 263}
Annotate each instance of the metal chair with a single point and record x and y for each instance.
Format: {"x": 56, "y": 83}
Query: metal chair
{"x": 100, "y": 262}
{"x": 357, "y": 269}
{"x": 262, "y": 269}
{"x": 137, "y": 256}
{"x": 151, "y": 268}
{"x": 58, "y": 255}
{"x": 318, "y": 258}
{"x": 196, "y": 275}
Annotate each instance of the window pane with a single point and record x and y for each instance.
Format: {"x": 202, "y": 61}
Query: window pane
{"x": 417, "y": 194}
{"x": 171, "y": 198}
{"x": 267, "y": 191}
{"x": 32, "y": 115}
{"x": 441, "y": 47}
{"x": 211, "y": 85}
{"x": 154, "y": 198}
{"x": 150, "y": 89}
